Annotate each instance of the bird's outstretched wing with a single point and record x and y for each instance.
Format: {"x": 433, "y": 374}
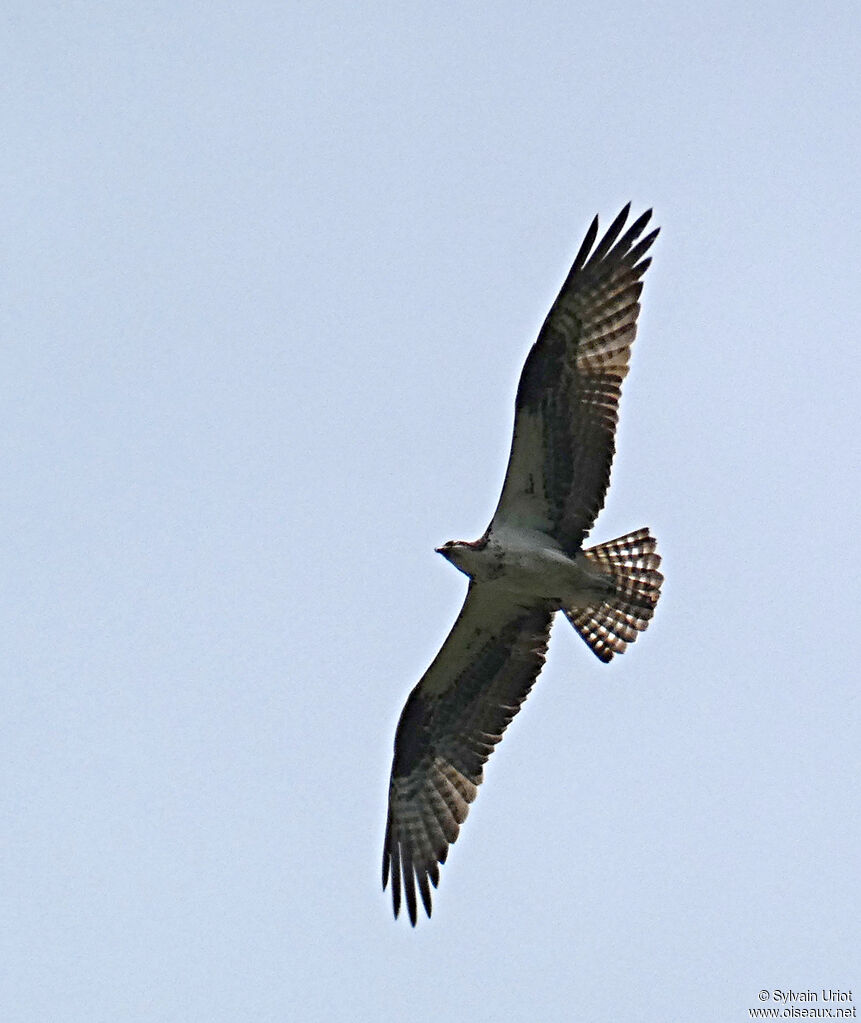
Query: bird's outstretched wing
{"x": 568, "y": 398}
{"x": 448, "y": 728}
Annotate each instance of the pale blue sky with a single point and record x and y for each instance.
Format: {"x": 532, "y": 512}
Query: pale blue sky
{"x": 271, "y": 274}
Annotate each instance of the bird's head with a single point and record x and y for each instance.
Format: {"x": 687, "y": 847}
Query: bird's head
{"x": 460, "y": 553}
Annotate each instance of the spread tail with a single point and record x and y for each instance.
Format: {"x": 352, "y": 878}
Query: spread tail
{"x": 609, "y": 625}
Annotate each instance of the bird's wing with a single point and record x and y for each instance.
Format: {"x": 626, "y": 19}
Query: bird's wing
{"x": 567, "y": 401}
{"x": 448, "y": 728}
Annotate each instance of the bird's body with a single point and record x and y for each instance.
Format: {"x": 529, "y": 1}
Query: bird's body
{"x": 530, "y": 562}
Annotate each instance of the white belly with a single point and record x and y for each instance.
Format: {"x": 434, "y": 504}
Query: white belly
{"x": 531, "y": 564}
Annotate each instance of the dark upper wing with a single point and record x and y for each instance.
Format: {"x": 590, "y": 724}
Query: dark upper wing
{"x": 448, "y": 728}
{"x": 567, "y": 401}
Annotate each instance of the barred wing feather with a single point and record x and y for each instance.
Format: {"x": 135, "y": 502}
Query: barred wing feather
{"x": 449, "y": 726}
{"x": 568, "y": 397}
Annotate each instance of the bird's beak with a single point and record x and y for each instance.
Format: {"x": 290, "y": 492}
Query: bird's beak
{"x": 438, "y": 550}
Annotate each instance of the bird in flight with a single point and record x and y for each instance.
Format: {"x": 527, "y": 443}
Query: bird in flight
{"x": 530, "y": 562}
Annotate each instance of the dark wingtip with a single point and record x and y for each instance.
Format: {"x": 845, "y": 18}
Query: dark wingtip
{"x": 396, "y": 881}
{"x": 386, "y": 853}
{"x": 634, "y": 256}
{"x": 392, "y": 864}
{"x": 613, "y": 232}
{"x": 588, "y": 242}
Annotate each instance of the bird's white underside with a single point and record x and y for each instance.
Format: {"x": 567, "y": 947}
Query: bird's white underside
{"x": 531, "y": 565}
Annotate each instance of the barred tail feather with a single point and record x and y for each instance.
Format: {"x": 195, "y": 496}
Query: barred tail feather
{"x": 632, "y": 562}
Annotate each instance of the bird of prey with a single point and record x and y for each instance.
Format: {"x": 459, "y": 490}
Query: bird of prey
{"x": 530, "y": 562}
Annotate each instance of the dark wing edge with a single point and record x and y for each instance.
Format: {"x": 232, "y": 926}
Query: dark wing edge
{"x": 449, "y": 726}
{"x": 567, "y": 403}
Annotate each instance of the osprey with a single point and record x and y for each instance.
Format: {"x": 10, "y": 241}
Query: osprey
{"x": 530, "y": 562}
